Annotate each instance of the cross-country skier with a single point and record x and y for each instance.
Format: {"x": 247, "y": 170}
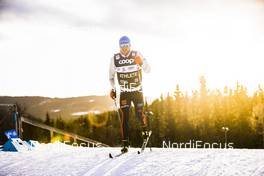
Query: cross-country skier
{"x": 128, "y": 66}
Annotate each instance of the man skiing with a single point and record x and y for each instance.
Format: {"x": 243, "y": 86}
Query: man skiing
{"x": 128, "y": 66}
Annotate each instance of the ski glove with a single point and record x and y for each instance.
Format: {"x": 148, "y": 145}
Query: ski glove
{"x": 138, "y": 60}
{"x": 113, "y": 94}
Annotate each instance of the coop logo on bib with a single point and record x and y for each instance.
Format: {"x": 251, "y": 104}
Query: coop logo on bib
{"x": 126, "y": 61}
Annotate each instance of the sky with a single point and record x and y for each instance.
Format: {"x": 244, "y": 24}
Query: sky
{"x": 63, "y": 48}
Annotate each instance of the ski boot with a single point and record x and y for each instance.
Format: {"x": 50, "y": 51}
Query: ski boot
{"x": 125, "y": 145}
{"x": 145, "y": 133}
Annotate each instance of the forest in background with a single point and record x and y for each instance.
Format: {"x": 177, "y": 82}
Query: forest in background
{"x": 178, "y": 117}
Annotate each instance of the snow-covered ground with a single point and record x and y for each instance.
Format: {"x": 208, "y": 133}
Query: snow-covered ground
{"x": 59, "y": 159}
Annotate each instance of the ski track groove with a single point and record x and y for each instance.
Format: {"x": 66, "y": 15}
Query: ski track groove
{"x": 95, "y": 162}
{"x": 97, "y": 167}
{"x": 119, "y": 170}
{"x": 106, "y": 167}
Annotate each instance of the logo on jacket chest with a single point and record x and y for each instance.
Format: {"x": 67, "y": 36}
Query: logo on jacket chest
{"x": 126, "y": 61}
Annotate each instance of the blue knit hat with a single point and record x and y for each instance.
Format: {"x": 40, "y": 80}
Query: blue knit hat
{"x": 124, "y": 40}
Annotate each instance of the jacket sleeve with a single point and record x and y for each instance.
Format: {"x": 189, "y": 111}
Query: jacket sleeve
{"x": 112, "y": 71}
{"x": 145, "y": 66}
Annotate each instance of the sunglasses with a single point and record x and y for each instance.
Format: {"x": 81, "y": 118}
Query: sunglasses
{"x": 125, "y": 45}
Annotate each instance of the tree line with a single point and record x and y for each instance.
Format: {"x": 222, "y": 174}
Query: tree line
{"x": 179, "y": 117}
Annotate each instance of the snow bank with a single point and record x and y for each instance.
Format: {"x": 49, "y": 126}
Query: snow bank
{"x": 59, "y": 159}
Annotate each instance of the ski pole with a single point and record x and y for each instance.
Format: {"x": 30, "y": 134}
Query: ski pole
{"x": 117, "y": 111}
{"x": 149, "y": 115}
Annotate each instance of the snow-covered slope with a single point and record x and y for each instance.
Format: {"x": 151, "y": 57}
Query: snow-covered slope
{"x": 58, "y": 159}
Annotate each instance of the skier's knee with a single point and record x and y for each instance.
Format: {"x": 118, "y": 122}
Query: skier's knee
{"x": 124, "y": 104}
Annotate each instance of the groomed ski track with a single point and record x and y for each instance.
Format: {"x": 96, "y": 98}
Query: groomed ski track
{"x": 59, "y": 159}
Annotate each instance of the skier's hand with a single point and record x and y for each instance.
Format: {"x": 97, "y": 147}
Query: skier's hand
{"x": 138, "y": 60}
{"x": 113, "y": 94}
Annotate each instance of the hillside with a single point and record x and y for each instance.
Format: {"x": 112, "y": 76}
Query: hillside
{"x": 61, "y": 107}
